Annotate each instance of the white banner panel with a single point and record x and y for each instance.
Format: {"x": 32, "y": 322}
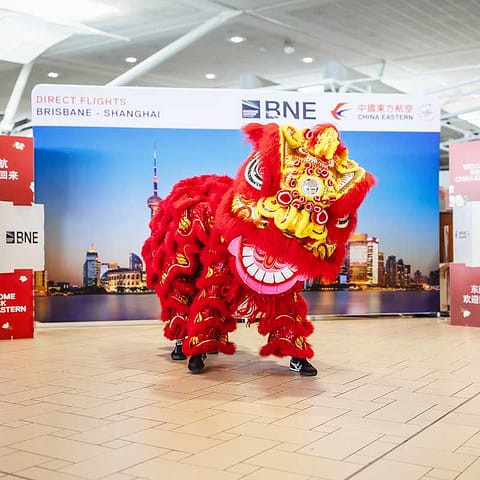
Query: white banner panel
{"x": 466, "y": 234}
{"x": 80, "y": 105}
{"x": 22, "y": 237}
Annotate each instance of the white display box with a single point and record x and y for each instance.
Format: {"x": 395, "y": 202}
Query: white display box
{"x": 22, "y": 237}
{"x": 466, "y": 234}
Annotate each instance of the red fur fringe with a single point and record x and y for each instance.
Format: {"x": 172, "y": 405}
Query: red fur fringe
{"x": 283, "y": 348}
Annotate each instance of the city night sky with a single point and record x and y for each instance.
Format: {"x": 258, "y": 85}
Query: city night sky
{"x": 95, "y": 181}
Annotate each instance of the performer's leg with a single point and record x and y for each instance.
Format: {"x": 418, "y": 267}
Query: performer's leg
{"x": 175, "y": 311}
{"x": 288, "y": 332}
{"x": 212, "y": 311}
{"x": 207, "y": 332}
{"x": 209, "y": 324}
{"x": 177, "y": 352}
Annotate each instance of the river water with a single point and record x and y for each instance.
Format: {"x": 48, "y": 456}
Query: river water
{"x": 82, "y": 308}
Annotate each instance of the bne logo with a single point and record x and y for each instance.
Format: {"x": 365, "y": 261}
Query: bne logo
{"x": 21, "y": 237}
{"x": 275, "y": 109}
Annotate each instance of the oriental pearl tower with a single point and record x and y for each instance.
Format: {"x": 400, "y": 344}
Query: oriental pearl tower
{"x": 154, "y": 200}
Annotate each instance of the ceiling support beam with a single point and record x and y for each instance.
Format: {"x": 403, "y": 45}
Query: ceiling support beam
{"x": 460, "y": 112}
{"x": 452, "y": 86}
{"x": 473, "y": 136}
{"x": 8, "y": 121}
{"x": 173, "y": 48}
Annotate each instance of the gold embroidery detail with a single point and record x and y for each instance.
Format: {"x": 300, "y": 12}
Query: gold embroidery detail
{"x": 184, "y": 224}
{"x": 300, "y": 342}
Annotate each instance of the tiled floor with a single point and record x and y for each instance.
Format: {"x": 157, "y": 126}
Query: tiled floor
{"x": 395, "y": 399}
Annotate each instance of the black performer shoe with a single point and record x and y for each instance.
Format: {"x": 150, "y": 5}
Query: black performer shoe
{"x": 303, "y": 367}
{"x": 177, "y": 353}
{"x": 195, "y": 363}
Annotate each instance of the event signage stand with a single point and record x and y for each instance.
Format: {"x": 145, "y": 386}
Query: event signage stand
{"x": 464, "y": 198}
{"x": 98, "y": 148}
{"x": 21, "y": 238}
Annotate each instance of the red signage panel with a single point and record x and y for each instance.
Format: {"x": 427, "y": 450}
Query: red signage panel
{"x": 464, "y": 295}
{"x": 16, "y": 170}
{"x": 16, "y": 288}
{"x": 464, "y": 167}
{"x": 16, "y": 305}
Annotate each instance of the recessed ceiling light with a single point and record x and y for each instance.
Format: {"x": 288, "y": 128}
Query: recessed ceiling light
{"x": 52, "y": 74}
{"x": 288, "y": 48}
{"x": 237, "y": 39}
{"x": 307, "y": 59}
{"x": 130, "y": 59}
{"x": 210, "y": 76}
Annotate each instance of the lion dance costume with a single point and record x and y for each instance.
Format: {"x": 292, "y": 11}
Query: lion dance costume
{"x": 224, "y": 249}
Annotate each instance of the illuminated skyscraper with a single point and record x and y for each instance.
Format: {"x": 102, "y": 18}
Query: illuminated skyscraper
{"x": 372, "y": 260}
{"x": 403, "y": 273}
{"x": 391, "y": 275}
{"x": 135, "y": 263}
{"x": 364, "y": 261}
{"x": 91, "y": 269}
{"x": 154, "y": 200}
{"x": 358, "y": 258}
{"x": 40, "y": 282}
{"x": 381, "y": 268}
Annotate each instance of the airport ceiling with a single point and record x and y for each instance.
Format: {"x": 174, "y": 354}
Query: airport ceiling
{"x": 379, "y": 46}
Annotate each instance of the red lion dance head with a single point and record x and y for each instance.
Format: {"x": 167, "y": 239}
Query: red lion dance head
{"x": 294, "y": 201}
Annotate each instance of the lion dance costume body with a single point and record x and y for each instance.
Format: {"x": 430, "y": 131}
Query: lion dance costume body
{"x": 224, "y": 249}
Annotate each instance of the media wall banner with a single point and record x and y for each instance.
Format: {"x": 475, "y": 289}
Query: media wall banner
{"x": 464, "y": 173}
{"x": 464, "y": 196}
{"x": 104, "y": 154}
{"x": 21, "y": 234}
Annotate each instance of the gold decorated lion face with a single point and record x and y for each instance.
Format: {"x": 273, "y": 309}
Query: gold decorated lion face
{"x": 311, "y": 190}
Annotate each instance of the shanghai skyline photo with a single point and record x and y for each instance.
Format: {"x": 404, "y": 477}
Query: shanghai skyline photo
{"x": 95, "y": 182}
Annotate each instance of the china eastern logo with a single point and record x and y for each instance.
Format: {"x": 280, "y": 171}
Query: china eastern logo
{"x": 339, "y": 112}
{"x": 427, "y": 112}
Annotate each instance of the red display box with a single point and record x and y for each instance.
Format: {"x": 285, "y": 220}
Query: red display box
{"x": 464, "y": 295}
{"x": 16, "y": 170}
{"x": 16, "y": 288}
{"x": 16, "y": 305}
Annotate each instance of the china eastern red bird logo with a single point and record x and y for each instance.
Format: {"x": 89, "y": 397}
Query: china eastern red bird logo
{"x": 339, "y": 111}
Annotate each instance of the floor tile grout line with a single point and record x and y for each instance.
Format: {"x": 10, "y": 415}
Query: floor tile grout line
{"x": 14, "y": 475}
{"x": 395, "y": 447}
